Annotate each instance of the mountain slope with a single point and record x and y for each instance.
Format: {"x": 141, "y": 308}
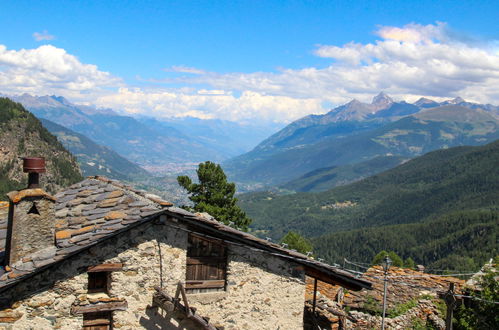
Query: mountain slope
{"x": 329, "y": 177}
{"x": 351, "y": 118}
{"x": 22, "y": 135}
{"x": 410, "y": 136}
{"x": 150, "y": 141}
{"x": 443, "y": 181}
{"x": 95, "y": 159}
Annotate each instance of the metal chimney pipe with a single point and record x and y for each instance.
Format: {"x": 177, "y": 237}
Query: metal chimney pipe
{"x": 33, "y": 166}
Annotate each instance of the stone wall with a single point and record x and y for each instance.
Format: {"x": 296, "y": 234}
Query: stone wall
{"x": 262, "y": 290}
{"x": 425, "y": 312}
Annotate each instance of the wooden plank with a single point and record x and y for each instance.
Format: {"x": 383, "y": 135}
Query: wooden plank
{"x": 96, "y": 322}
{"x": 101, "y": 307}
{"x": 205, "y": 284}
{"x": 205, "y": 260}
{"x": 105, "y": 268}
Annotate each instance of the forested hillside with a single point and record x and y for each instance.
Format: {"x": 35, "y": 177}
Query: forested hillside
{"x": 22, "y": 135}
{"x": 326, "y": 178}
{"x": 418, "y": 196}
{"x": 460, "y": 240}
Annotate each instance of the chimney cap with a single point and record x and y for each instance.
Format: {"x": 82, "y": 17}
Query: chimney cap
{"x": 33, "y": 165}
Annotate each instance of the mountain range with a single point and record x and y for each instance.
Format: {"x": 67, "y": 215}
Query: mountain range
{"x": 147, "y": 141}
{"x": 357, "y": 132}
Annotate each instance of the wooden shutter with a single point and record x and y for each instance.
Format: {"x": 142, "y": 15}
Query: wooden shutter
{"x": 206, "y": 263}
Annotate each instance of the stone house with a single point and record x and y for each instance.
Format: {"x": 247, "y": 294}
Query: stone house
{"x": 101, "y": 255}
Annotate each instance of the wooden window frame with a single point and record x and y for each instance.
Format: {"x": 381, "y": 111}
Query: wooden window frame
{"x": 219, "y": 262}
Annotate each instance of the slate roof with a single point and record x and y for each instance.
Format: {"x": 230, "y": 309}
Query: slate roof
{"x": 98, "y": 208}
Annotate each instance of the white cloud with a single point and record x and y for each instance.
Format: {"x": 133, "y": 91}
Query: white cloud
{"x": 50, "y": 70}
{"x": 406, "y": 62}
{"x": 410, "y": 60}
{"x": 184, "y": 69}
{"x": 248, "y": 106}
{"x": 41, "y": 36}
{"x": 414, "y": 33}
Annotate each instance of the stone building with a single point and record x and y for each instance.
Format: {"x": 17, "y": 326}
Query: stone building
{"x": 101, "y": 255}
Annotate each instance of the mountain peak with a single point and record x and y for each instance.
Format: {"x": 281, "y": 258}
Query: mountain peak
{"x": 60, "y": 99}
{"x": 354, "y": 102}
{"x": 381, "y": 102}
{"x": 457, "y": 100}
{"x": 381, "y": 99}
{"x": 426, "y": 103}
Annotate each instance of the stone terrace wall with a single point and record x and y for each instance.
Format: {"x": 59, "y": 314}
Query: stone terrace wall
{"x": 262, "y": 290}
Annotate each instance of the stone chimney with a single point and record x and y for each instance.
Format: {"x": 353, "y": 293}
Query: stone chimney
{"x": 30, "y": 229}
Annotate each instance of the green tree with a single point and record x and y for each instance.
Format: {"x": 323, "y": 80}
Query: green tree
{"x": 396, "y": 260}
{"x": 484, "y": 311}
{"x": 214, "y": 195}
{"x": 297, "y": 242}
{"x": 409, "y": 263}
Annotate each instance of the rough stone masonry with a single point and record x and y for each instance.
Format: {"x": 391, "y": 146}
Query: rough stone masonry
{"x": 262, "y": 289}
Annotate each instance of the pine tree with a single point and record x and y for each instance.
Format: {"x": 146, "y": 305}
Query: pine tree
{"x": 214, "y": 195}
{"x": 396, "y": 260}
{"x": 297, "y": 242}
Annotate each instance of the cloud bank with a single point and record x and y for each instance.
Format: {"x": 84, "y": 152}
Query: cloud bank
{"x": 406, "y": 62}
{"x": 50, "y": 70}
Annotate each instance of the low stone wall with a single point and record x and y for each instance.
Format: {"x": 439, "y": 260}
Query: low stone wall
{"x": 425, "y": 311}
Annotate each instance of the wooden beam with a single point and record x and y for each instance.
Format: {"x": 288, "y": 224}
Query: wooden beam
{"x": 100, "y": 307}
{"x": 205, "y": 284}
{"x": 332, "y": 279}
{"x": 315, "y": 295}
{"x": 105, "y": 268}
{"x": 96, "y": 322}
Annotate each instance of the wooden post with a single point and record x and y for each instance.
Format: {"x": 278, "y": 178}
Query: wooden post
{"x": 315, "y": 295}
{"x": 450, "y": 301}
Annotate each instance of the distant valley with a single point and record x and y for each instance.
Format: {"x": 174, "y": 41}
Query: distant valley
{"x": 158, "y": 144}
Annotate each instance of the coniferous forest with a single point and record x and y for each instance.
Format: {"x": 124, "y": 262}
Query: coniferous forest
{"x": 440, "y": 209}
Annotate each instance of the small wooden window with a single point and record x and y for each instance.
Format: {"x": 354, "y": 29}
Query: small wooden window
{"x": 98, "y": 282}
{"x": 98, "y": 321}
{"x": 206, "y": 263}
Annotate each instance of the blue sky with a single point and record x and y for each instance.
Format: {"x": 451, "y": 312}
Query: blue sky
{"x": 208, "y": 58}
